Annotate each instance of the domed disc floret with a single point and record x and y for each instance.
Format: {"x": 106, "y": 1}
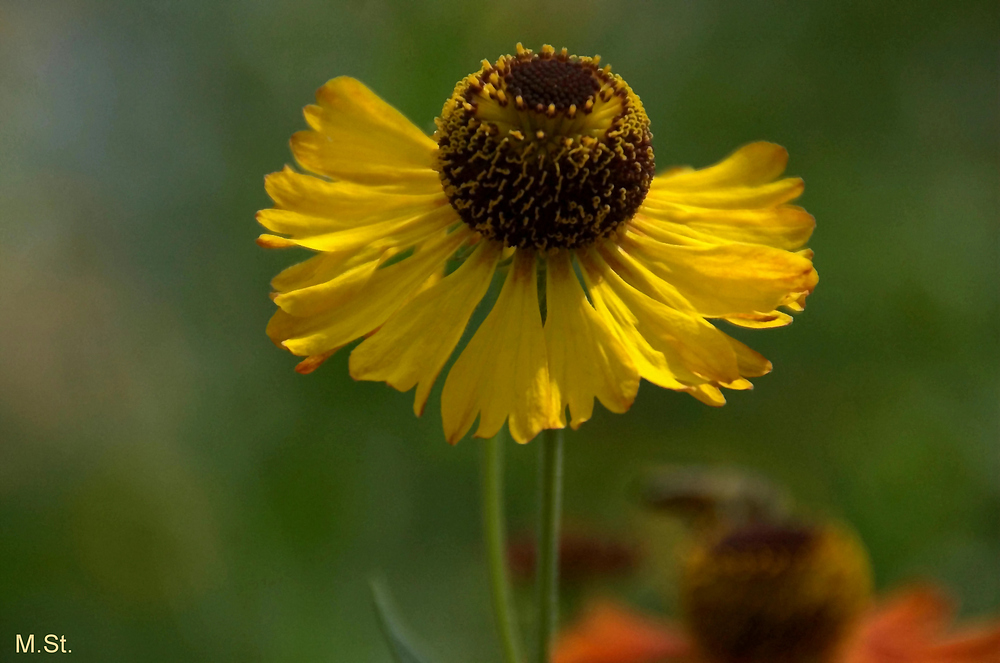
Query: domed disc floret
{"x": 544, "y": 150}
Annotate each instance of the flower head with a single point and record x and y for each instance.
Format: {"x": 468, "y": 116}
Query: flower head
{"x": 774, "y": 593}
{"x": 543, "y": 152}
{"x": 910, "y": 626}
{"x": 541, "y": 167}
{"x": 781, "y": 594}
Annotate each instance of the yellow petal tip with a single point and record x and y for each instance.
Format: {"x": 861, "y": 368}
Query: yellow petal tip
{"x": 273, "y": 242}
{"x": 310, "y": 364}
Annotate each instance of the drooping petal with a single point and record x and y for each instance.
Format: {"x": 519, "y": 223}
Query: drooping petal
{"x": 413, "y": 345}
{"x": 753, "y": 164}
{"x": 312, "y": 271}
{"x": 503, "y": 371}
{"x": 266, "y": 241}
{"x": 645, "y": 282}
{"x": 726, "y": 279}
{"x": 346, "y": 202}
{"x": 708, "y": 394}
{"x": 652, "y": 363}
{"x": 736, "y": 197}
{"x": 585, "y": 358}
{"x": 340, "y": 289}
{"x": 784, "y": 227}
{"x": 759, "y": 320}
{"x": 299, "y": 225}
{"x": 642, "y": 279}
{"x": 751, "y": 363}
{"x": 388, "y": 289}
{"x": 394, "y": 231}
{"x": 686, "y": 344}
{"x": 795, "y": 301}
{"x": 311, "y": 363}
{"x": 734, "y": 201}
{"x": 358, "y": 137}
{"x": 700, "y": 346}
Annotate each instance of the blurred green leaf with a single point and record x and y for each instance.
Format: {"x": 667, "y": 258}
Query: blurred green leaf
{"x": 396, "y": 634}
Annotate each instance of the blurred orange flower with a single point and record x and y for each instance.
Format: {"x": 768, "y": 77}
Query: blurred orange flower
{"x": 913, "y": 626}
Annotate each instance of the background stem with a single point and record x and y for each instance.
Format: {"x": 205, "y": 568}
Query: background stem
{"x": 495, "y": 535}
{"x": 550, "y": 503}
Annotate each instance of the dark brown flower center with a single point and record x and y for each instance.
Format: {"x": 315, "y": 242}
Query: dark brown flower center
{"x": 544, "y": 150}
{"x": 774, "y": 594}
{"x": 542, "y": 82}
{"x": 767, "y": 539}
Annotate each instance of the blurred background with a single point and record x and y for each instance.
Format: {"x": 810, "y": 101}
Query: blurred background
{"x": 171, "y": 490}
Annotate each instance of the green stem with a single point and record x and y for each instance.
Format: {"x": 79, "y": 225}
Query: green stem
{"x": 496, "y": 544}
{"x": 550, "y": 498}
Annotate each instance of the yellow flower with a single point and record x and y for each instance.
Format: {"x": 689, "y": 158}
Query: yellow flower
{"x": 541, "y": 165}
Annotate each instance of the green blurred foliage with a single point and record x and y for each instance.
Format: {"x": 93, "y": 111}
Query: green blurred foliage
{"x": 171, "y": 490}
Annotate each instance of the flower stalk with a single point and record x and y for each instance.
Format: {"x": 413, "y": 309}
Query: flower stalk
{"x": 495, "y": 536}
{"x": 550, "y": 507}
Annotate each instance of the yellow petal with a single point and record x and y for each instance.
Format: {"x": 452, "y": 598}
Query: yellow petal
{"x": 653, "y": 364}
{"x": 413, "y": 345}
{"x": 310, "y": 364}
{"x": 358, "y": 161}
{"x": 751, "y": 363}
{"x": 503, "y": 371}
{"x": 315, "y": 299}
{"x": 346, "y": 202}
{"x": 299, "y": 225}
{"x": 750, "y": 165}
{"x": 266, "y": 241}
{"x": 639, "y": 277}
{"x": 317, "y": 269}
{"x": 740, "y": 384}
{"x": 796, "y": 301}
{"x": 347, "y": 105}
{"x": 725, "y": 279}
{"x": 785, "y": 227}
{"x": 735, "y": 197}
{"x": 708, "y": 394}
{"x": 360, "y": 138}
{"x": 585, "y": 358}
{"x": 673, "y": 170}
{"x": 642, "y": 279}
{"x": 393, "y": 232}
{"x": 282, "y": 326}
{"x": 758, "y": 320}
{"x": 387, "y": 290}
{"x": 688, "y": 343}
